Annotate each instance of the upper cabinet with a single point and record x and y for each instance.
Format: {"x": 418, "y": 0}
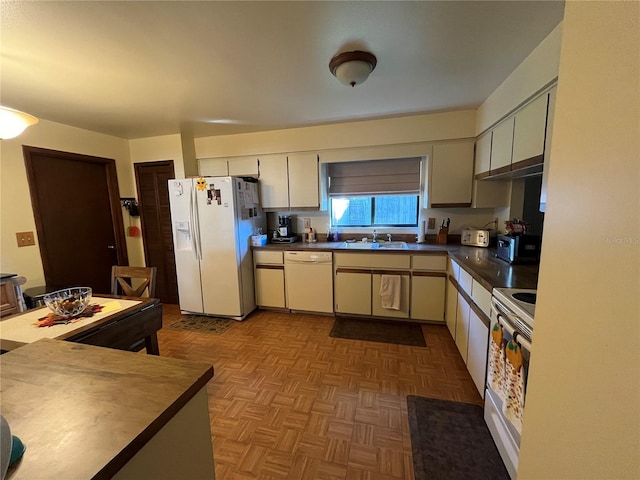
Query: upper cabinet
{"x": 213, "y": 167}
{"x": 516, "y": 146}
{"x": 235, "y": 166}
{"x": 502, "y": 146}
{"x": 274, "y": 181}
{"x": 529, "y": 131}
{"x": 288, "y": 182}
{"x": 451, "y": 175}
{"x": 303, "y": 180}
{"x": 547, "y": 149}
{"x": 243, "y": 166}
{"x": 483, "y": 155}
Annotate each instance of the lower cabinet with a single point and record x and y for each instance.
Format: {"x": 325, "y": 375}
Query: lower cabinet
{"x": 269, "y": 282}
{"x": 451, "y": 308}
{"x": 428, "y": 296}
{"x": 268, "y": 275}
{"x": 376, "y": 305}
{"x": 477, "y": 350}
{"x": 352, "y": 292}
{"x": 462, "y": 326}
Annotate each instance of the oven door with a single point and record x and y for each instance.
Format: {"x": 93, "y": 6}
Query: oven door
{"x": 502, "y": 417}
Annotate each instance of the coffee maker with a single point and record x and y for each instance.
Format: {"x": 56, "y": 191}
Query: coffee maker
{"x": 284, "y": 233}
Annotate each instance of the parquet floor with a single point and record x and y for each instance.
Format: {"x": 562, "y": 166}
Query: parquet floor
{"x": 289, "y": 402}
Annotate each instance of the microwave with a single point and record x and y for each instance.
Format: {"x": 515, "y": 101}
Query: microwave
{"x": 519, "y": 249}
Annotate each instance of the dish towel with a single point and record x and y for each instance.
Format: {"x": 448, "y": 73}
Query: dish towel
{"x": 390, "y": 289}
{"x": 496, "y": 371}
{"x": 513, "y": 406}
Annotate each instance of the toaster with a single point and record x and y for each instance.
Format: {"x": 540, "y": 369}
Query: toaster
{"x": 477, "y": 237}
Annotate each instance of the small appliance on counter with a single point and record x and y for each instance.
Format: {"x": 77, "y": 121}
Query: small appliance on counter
{"x": 477, "y": 237}
{"x": 519, "y": 249}
{"x": 284, "y": 233}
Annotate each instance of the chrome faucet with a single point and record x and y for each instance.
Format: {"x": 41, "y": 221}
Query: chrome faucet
{"x": 375, "y": 236}
{"x": 388, "y": 237}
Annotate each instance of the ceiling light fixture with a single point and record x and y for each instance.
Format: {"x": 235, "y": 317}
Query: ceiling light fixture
{"x": 352, "y": 68}
{"x": 13, "y": 122}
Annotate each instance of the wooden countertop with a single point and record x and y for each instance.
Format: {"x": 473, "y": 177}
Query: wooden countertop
{"x": 479, "y": 262}
{"x": 85, "y": 411}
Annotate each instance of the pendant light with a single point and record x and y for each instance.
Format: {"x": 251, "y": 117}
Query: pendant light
{"x": 13, "y": 122}
{"x": 352, "y": 68}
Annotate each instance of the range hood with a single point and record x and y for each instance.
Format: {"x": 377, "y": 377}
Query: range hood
{"x": 526, "y": 168}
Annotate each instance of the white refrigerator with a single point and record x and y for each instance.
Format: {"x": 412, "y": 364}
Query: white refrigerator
{"x": 213, "y": 219}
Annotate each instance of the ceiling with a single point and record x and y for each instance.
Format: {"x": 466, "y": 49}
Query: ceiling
{"x": 136, "y": 69}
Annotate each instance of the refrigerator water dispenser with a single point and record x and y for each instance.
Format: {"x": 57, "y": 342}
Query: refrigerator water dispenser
{"x": 183, "y": 236}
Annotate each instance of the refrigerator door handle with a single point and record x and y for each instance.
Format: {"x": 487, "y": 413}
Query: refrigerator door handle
{"x": 196, "y": 223}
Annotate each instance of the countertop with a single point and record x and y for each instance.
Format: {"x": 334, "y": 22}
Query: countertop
{"x": 85, "y": 411}
{"x": 481, "y": 263}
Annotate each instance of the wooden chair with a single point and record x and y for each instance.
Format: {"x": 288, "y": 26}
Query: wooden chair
{"x": 124, "y": 278}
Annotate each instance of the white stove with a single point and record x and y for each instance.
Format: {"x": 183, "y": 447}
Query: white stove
{"x": 521, "y": 301}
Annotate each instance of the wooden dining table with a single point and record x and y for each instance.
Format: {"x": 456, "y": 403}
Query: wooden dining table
{"x": 124, "y": 323}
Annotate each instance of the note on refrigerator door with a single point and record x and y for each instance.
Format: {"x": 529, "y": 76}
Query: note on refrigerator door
{"x": 254, "y": 193}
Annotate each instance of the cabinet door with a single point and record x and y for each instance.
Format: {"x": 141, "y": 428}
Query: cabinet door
{"x": 8, "y": 300}
{"x": 352, "y": 292}
{"x": 274, "y": 182}
{"x": 243, "y": 166}
{"x": 269, "y": 282}
{"x": 451, "y": 178}
{"x": 547, "y": 149}
{"x": 462, "y": 327}
{"x": 502, "y": 145}
{"x": 529, "y": 130}
{"x": 213, "y": 167}
{"x": 451, "y": 308}
{"x": 483, "y": 154}
{"x": 428, "y": 297}
{"x": 376, "y": 303}
{"x": 477, "y": 351}
{"x": 303, "y": 180}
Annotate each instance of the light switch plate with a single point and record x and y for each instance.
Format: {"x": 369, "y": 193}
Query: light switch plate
{"x": 25, "y": 239}
{"x": 307, "y": 222}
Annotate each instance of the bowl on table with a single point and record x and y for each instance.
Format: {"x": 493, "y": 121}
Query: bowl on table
{"x": 68, "y": 302}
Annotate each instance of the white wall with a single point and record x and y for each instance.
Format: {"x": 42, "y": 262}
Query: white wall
{"x": 390, "y": 131}
{"x": 15, "y": 201}
{"x": 536, "y": 71}
{"x": 582, "y": 418}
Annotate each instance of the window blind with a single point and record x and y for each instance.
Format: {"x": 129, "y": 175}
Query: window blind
{"x": 390, "y": 176}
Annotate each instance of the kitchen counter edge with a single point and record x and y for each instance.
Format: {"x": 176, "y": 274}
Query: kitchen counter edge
{"x": 480, "y": 263}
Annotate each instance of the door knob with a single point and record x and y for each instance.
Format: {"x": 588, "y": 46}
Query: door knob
{"x": 111, "y": 247}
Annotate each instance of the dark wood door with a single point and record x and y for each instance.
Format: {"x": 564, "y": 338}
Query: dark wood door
{"x": 78, "y": 217}
{"x": 155, "y": 217}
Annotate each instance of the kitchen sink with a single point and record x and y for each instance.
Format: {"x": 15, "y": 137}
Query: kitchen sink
{"x": 401, "y": 245}
{"x": 360, "y": 245}
{"x": 373, "y": 246}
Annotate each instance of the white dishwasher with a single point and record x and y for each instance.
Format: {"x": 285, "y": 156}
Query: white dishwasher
{"x": 308, "y": 279}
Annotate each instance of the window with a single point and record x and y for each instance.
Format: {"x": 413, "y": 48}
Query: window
{"x": 375, "y": 211}
{"x": 375, "y": 193}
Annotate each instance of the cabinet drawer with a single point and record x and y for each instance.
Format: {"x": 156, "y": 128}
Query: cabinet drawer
{"x": 454, "y": 269}
{"x": 267, "y": 257}
{"x": 429, "y": 262}
{"x": 482, "y": 297}
{"x": 372, "y": 260}
{"x": 465, "y": 281}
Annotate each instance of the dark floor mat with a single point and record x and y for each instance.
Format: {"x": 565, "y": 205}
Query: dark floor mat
{"x": 202, "y": 323}
{"x": 451, "y": 441}
{"x": 391, "y": 331}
